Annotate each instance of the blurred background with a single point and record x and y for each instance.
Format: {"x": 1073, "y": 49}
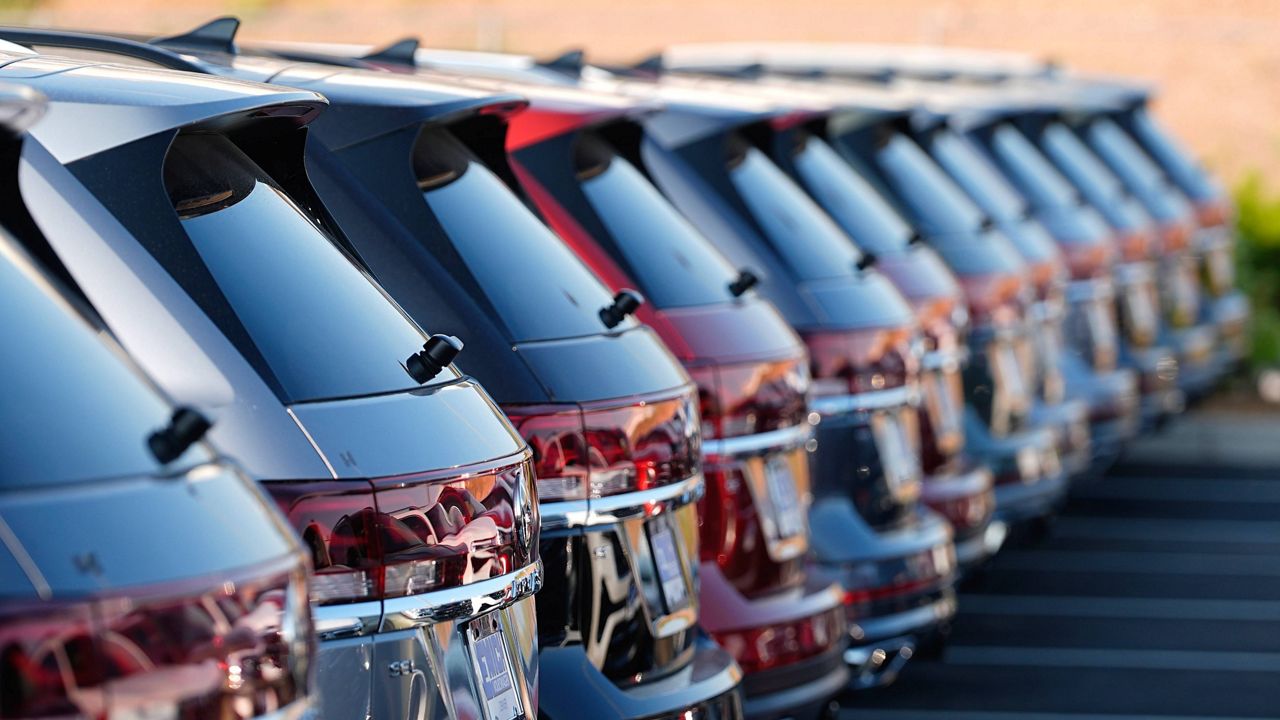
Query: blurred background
{"x": 1215, "y": 61}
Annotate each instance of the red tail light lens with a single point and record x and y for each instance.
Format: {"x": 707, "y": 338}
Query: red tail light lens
{"x": 1136, "y": 246}
{"x": 238, "y": 650}
{"x": 759, "y": 649}
{"x": 1213, "y": 213}
{"x": 860, "y": 361}
{"x": 994, "y": 299}
{"x": 1089, "y": 260}
{"x": 408, "y": 535}
{"x": 745, "y": 399}
{"x": 1174, "y": 237}
{"x": 601, "y": 451}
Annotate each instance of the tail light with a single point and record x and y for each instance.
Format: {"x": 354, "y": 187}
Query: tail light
{"x": 599, "y": 451}
{"x": 239, "y": 650}
{"x": 1174, "y": 237}
{"x": 1213, "y": 213}
{"x": 994, "y": 299}
{"x": 399, "y": 536}
{"x": 1137, "y": 245}
{"x": 1089, "y": 260}
{"x": 764, "y": 648}
{"x": 750, "y": 398}
{"x": 860, "y": 361}
{"x": 752, "y": 516}
{"x": 966, "y": 512}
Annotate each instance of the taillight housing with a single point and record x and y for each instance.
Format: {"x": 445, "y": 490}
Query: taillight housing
{"x": 1136, "y": 245}
{"x": 748, "y": 398}
{"x": 763, "y": 648}
{"x": 397, "y": 536}
{"x": 851, "y": 362}
{"x": 604, "y": 449}
{"x": 1213, "y": 213}
{"x": 233, "y": 646}
{"x": 997, "y": 299}
{"x": 1089, "y": 260}
{"x": 1174, "y": 237}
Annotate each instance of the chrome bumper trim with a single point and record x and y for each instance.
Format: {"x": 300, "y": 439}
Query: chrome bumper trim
{"x": 617, "y": 508}
{"x": 876, "y": 400}
{"x": 758, "y": 444}
{"x": 463, "y": 602}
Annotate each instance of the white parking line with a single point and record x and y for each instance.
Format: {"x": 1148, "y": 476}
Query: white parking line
{"x": 1157, "y": 529}
{"x": 1145, "y": 563}
{"x": 1124, "y": 608}
{"x": 1190, "y": 660}
{"x": 861, "y": 714}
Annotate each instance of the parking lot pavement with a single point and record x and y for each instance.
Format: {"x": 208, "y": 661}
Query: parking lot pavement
{"x": 1156, "y": 595}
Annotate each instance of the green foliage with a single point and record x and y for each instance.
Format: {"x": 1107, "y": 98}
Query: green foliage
{"x": 1258, "y": 260}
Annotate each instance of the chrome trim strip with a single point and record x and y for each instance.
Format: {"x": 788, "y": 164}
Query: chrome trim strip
{"x": 336, "y": 622}
{"x": 877, "y": 400}
{"x": 758, "y": 444}
{"x": 617, "y": 508}
{"x": 1095, "y": 290}
{"x": 463, "y": 602}
{"x": 941, "y": 360}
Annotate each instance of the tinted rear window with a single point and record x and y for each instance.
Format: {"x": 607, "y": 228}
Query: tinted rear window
{"x": 676, "y": 266}
{"x": 1175, "y": 158}
{"x": 74, "y": 411}
{"x": 1030, "y": 170}
{"x": 322, "y": 326}
{"x": 1135, "y": 168}
{"x": 811, "y": 243}
{"x": 975, "y": 173}
{"x": 926, "y": 191}
{"x": 539, "y": 288}
{"x": 863, "y": 213}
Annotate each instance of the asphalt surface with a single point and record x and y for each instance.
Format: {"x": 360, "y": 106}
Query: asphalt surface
{"x": 1156, "y": 594}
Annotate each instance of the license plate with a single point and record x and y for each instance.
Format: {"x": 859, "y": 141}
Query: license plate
{"x": 492, "y": 666}
{"x": 667, "y": 561}
{"x": 901, "y": 466}
{"x": 783, "y": 496}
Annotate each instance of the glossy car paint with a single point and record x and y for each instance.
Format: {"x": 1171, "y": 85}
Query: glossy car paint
{"x": 467, "y": 254}
{"x": 1075, "y": 316}
{"x": 752, "y": 374}
{"x": 103, "y": 208}
{"x": 185, "y": 591}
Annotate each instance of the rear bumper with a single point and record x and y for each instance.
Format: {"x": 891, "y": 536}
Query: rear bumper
{"x": 1197, "y": 370}
{"x": 1069, "y": 421}
{"x": 1030, "y": 481}
{"x": 801, "y": 691}
{"x": 401, "y": 666}
{"x": 966, "y": 498}
{"x": 707, "y": 687}
{"x": 1230, "y": 317}
{"x": 891, "y": 640}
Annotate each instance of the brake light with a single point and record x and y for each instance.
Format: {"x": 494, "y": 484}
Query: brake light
{"x": 859, "y": 361}
{"x": 229, "y": 647}
{"x": 1174, "y": 237}
{"x": 1088, "y": 260}
{"x": 937, "y": 318}
{"x": 599, "y": 451}
{"x": 1136, "y": 245}
{"x": 749, "y": 398}
{"x": 994, "y": 299}
{"x": 759, "y": 649}
{"x": 406, "y": 535}
{"x": 1213, "y": 213}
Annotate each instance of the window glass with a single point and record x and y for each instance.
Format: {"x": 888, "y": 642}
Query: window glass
{"x": 322, "y": 326}
{"x": 975, "y": 174}
{"x": 939, "y": 205}
{"x": 1030, "y": 170}
{"x": 1173, "y": 156}
{"x": 537, "y": 285}
{"x": 850, "y": 199}
{"x": 810, "y": 242}
{"x": 78, "y": 411}
{"x": 676, "y": 266}
{"x": 1124, "y": 154}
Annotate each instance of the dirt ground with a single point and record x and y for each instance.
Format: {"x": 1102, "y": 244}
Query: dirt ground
{"x": 1216, "y": 60}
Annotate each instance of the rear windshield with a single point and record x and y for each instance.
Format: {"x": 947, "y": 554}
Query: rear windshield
{"x": 1135, "y": 168}
{"x": 75, "y": 410}
{"x": 1175, "y": 158}
{"x": 676, "y": 266}
{"x": 811, "y": 243}
{"x": 322, "y": 326}
{"x": 1080, "y": 164}
{"x": 1030, "y": 170}
{"x": 850, "y": 199}
{"x": 925, "y": 189}
{"x": 974, "y": 172}
{"x": 536, "y": 284}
